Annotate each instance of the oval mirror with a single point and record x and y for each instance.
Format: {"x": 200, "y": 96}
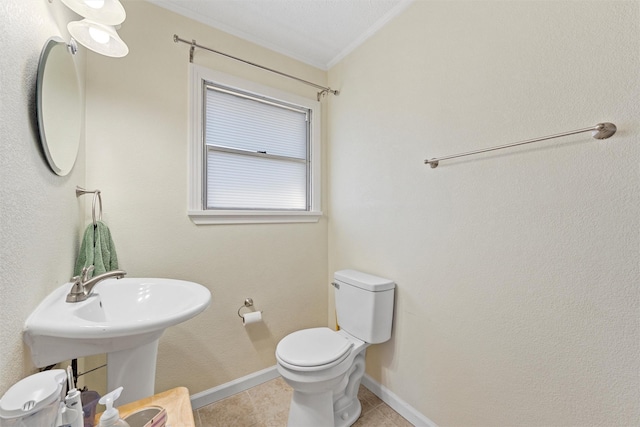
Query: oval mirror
{"x": 59, "y": 106}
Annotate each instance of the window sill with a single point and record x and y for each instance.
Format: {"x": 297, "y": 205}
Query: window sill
{"x": 252, "y": 217}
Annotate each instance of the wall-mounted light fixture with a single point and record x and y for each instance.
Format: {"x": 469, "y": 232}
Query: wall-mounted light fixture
{"x": 97, "y": 31}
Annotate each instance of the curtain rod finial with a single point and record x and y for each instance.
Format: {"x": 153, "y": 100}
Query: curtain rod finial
{"x": 325, "y": 91}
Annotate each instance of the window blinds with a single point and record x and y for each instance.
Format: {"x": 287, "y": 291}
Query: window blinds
{"x": 257, "y": 152}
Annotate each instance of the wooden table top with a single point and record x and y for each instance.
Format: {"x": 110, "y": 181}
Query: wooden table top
{"x": 176, "y": 401}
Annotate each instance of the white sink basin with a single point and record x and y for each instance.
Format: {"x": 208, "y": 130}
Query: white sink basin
{"x": 122, "y": 317}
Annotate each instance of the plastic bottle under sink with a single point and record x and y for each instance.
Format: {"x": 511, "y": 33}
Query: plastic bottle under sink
{"x": 111, "y": 417}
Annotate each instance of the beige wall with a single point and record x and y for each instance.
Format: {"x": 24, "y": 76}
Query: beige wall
{"x": 39, "y": 214}
{"x": 517, "y": 271}
{"x": 137, "y": 139}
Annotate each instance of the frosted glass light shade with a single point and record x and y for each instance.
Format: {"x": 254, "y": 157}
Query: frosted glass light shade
{"x": 107, "y": 12}
{"x": 102, "y": 39}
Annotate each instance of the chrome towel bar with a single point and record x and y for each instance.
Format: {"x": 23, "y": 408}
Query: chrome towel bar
{"x": 599, "y": 131}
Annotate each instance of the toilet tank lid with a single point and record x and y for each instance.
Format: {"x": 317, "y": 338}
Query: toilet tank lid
{"x": 365, "y": 281}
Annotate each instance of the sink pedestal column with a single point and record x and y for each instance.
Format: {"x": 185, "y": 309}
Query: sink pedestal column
{"x": 135, "y": 370}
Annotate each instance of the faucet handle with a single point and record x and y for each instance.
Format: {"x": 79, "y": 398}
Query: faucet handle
{"x": 86, "y": 271}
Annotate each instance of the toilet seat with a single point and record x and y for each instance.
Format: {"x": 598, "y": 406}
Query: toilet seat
{"x": 313, "y": 349}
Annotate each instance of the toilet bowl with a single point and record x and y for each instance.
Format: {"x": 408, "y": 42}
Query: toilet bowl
{"x": 325, "y": 367}
{"x": 319, "y": 364}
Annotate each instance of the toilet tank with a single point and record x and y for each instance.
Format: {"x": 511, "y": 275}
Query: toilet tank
{"x": 364, "y": 305}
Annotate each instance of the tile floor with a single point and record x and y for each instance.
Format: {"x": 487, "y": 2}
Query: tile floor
{"x": 267, "y": 405}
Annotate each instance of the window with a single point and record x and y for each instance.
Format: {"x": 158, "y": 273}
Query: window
{"x": 254, "y": 152}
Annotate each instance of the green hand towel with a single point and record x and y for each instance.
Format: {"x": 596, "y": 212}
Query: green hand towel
{"x": 97, "y": 249}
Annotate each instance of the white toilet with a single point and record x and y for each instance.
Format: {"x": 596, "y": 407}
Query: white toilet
{"x": 324, "y": 367}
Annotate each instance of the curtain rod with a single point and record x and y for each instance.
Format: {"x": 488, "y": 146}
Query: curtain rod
{"x": 323, "y": 90}
{"x": 599, "y": 131}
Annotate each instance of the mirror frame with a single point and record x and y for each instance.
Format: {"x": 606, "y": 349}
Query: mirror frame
{"x": 58, "y": 106}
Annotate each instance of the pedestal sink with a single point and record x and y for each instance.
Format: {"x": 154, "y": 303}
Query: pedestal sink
{"x": 123, "y": 318}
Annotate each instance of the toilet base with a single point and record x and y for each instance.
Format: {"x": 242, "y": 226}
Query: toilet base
{"x": 316, "y": 410}
{"x": 337, "y": 407}
{"x": 349, "y": 415}
{"x": 311, "y": 410}
{"x": 346, "y": 406}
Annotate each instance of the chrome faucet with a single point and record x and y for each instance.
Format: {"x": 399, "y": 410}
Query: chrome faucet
{"x": 83, "y": 286}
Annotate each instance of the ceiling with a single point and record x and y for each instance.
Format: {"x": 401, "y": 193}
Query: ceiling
{"x": 317, "y": 32}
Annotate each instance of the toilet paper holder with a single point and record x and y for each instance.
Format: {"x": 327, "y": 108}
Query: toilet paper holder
{"x": 247, "y": 303}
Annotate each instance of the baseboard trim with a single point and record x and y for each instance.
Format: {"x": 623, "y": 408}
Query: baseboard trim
{"x": 400, "y": 406}
{"x": 236, "y": 386}
{"x": 239, "y": 385}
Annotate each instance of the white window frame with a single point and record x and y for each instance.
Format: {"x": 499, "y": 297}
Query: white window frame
{"x": 196, "y": 210}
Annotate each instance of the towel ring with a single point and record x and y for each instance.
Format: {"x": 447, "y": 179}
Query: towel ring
{"x": 97, "y": 196}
